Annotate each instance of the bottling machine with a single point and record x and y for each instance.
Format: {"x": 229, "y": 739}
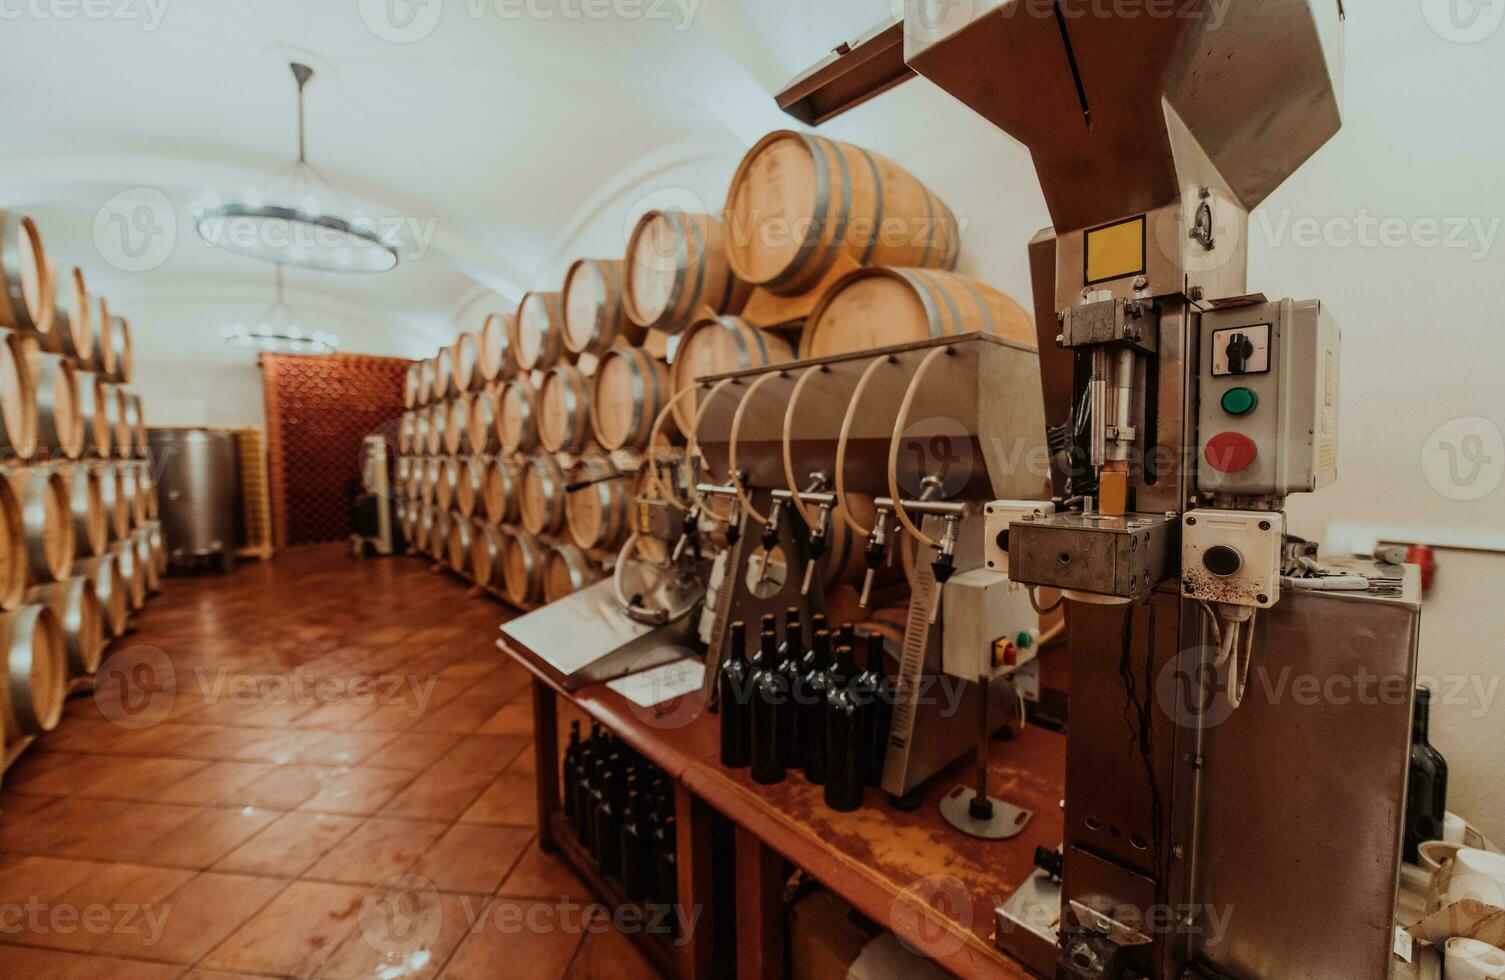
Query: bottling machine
{"x": 1131, "y": 471}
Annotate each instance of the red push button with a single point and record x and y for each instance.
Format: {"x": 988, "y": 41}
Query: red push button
{"x": 1229, "y": 452}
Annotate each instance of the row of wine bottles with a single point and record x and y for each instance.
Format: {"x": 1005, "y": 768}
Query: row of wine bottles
{"x": 804, "y": 705}
{"x": 622, "y": 809}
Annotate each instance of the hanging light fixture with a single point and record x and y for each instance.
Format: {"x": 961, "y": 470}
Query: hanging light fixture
{"x": 278, "y": 330}
{"x": 287, "y": 223}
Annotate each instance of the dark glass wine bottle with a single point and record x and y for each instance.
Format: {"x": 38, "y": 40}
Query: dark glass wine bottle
{"x": 874, "y": 700}
{"x": 571, "y": 771}
{"x": 1427, "y": 785}
{"x": 667, "y": 886}
{"x": 734, "y": 693}
{"x": 815, "y": 685}
{"x": 792, "y": 748}
{"x": 635, "y": 848}
{"x": 844, "y": 748}
{"x": 768, "y": 694}
{"x": 606, "y": 835}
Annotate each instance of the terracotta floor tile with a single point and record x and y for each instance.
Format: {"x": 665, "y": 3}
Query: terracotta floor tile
{"x": 289, "y": 845}
{"x": 47, "y": 964}
{"x": 195, "y": 918}
{"x": 540, "y": 875}
{"x": 414, "y": 750}
{"x": 137, "y": 779}
{"x": 208, "y": 836}
{"x": 337, "y": 717}
{"x": 484, "y": 753}
{"x": 56, "y": 773}
{"x": 473, "y": 857}
{"x": 388, "y": 718}
{"x": 412, "y": 942}
{"x": 609, "y": 955}
{"x": 280, "y": 746}
{"x": 509, "y": 799}
{"x": 114, "y": 899}
{"x": 517, "y": 942}
{"x": 458, "y": 717}
{"x": 362, "y": 791}
{"x": 525, "y": 762}
{"x": 513, "y": 718}
{"x": 346, "y": 748}
{"x": 104, "y": 830}
{"x": 214, "y": 783}
{"x": 378, "y": 849}
{"x": 439, "y": 794}
{"x": 294, "y": 933}
{"x": 284, "y": 787}
{"x": 41, "y": 879}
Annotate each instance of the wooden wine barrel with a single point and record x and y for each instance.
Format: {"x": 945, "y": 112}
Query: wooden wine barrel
{"x": 132, "y": 492}
{"x": 145, "y": 563}
{"x": 427, "y": 476}
{"x": 18, "y": 406}
{"x": 595, "y": 314}
{"x": 470, "y": 488}
{"x": 407, "y": 519}
{"x": 46, "y": 523}
{"x": 877, "y": 307}
{"x": 718, "y": 345}
{"x": 566, "y": 571}
{"x": 102, "y": 361}
{"x": 426, "y": 381}
{"x": 72, "y": 333}
{"x": 449, "y": 480}
{"x": 122, "y": 435}
{"x": 444, "y": 373}
{"x": 116, "y": 503}
{"x": 540, "y": 331}
{"x": 99, "y": 431}
{"x": 481, "y": 431}
{"x": 60, "y": 427}
{"x": 438, "y": 422}
{"x": 564, "y": 404}
{"x": 438, "y": 545}
{"x": 799, "y": 200}
{"x": 599, "y": 513}
{"x": 412, "y": 386}
{"x": 630, "y": 389}
{"x": 456, "y": 422}
{"x": 402, "y": 478}
{"x": 86, "y": 504}
{"x": 122, "y": 360}
{"x": 135, "y": 417}
{"x": 503, "y": 490}
{"x": 465, "y": 374}
{"x": 147, "y": 484}
{"x": 131, "y": 573}
{"x": 14, "y": 573}
{"x": 26, "y": 302}
{"x": 486, "y": 555}
{"x": 80, "y": 618}
{"x": 458, "y": 546}
{"x": 677, "y": 268}
{"x": 541, "y": 502}
{"x": 517, "y": 417}
{"x": 104, "y": 574}
{"x": 425, "y": 530}
{"x": 36, "y": 671}
{"x": 158, "y": 546}
{"x": 405, "y": 425}
{"x": 494, "y": 353}
{"x": 522, "y": 569}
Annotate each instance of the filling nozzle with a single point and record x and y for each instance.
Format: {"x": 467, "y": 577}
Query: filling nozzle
{"x": 945, "y": 561}
{"x": 689, "y": 538}
{"x": 770, "y": 536}
{"x": 818, "y": 540}
{"x": 877, "y": 551}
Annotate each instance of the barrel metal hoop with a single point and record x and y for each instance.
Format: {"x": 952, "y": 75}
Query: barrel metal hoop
{"x": 932, "y": 315}
{"x": 838, "y": 238}
{"x": 872, "y": 243}
{"x": 987, "y": 311}
{"x": 817, "y": 219}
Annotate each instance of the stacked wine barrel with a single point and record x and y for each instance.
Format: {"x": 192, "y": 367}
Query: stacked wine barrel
{"x": 80, "y": 547}
{"x": 522, "y": 445}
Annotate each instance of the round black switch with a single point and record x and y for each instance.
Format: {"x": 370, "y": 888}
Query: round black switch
{"x": 1222, "y": 560}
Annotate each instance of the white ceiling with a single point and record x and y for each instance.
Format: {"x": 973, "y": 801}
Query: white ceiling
{"x": 482, "y": 128}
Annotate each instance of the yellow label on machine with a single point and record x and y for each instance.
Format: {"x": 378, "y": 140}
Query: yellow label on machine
{"x": 1116, "y": 250}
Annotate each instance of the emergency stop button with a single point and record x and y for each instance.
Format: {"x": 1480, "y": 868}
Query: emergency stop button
{"x": 1229, "y": 452}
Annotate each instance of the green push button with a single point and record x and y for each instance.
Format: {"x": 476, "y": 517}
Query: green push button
{"x": 1240, "y": 401}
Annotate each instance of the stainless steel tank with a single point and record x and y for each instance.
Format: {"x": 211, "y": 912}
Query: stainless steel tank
{"x": 198, "y": 491}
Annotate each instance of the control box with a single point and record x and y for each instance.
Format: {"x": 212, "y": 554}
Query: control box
{"x": 988, "y": 626}
{"x": 1268, "y": 410}
{"x": 1232, "y": 556}
{"x": 997, "y": 516}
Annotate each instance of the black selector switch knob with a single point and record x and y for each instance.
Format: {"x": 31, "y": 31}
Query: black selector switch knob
{"x": 1222, "y": 560}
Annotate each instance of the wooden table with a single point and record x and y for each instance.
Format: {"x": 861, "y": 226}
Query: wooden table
{"x": 908, "y": 871}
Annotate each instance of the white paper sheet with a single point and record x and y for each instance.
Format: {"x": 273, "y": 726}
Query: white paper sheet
{"x": 663, "y": 683}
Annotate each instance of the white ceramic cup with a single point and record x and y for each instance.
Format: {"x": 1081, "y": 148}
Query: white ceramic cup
{"x": 1470, "y": 959}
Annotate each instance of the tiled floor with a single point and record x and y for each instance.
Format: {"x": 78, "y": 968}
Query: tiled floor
{"x": 326, "y": 771}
